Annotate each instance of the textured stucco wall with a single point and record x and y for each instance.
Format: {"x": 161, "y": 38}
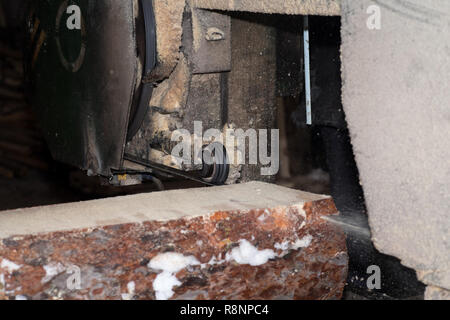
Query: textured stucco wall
{"x": 396, "y": 96}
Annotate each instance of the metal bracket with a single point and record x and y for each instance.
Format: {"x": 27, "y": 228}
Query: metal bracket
{"x": 210, "y": 46}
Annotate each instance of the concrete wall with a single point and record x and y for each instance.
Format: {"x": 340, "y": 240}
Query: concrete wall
{"x": 396, "y": 98}
{"x": 309, "y": 7}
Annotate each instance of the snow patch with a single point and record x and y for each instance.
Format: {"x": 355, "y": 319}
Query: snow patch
{"x": 282, "y": 246}
{"x": 172, "y": 262}
{"x": 9, "y": 266}
{"x": 169, "y": 263}
{"x": 299, "y": 243}
{"x": 246, "y": 253}
{"x": 302, "y": 243}
{"x": 21, "y": 298}
{"x": 131, "y": 287}
{"x": 164, "y": 284}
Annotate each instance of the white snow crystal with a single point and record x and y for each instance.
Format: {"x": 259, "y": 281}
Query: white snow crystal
{"x": 9, "y": 266}
{"x": 131, "y": 287}
{"x": 163, "y": 285}
{"x": 172, "y": 262}
{"x": 302, "y": 243}
{"x": 299, "y": 243}
{"x": 169, "y": 263}
{"x": 246, "y": 253}
{"x": 283, "y": 246}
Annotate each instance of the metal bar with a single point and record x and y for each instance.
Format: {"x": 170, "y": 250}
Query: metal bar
{"x": 167, "y": 170}
{"x": 307, "y": 70}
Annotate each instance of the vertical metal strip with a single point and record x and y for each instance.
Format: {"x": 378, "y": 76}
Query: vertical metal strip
{"x": 307, "y": 70}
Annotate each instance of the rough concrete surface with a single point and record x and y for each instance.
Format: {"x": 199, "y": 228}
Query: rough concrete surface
{"x": 160, "y": 206}
{"x": 396, "y": 99}
{"x": 434, "y": 293}
{"x": 171, "y": 95}
{"x": 304, "y": 7}
{"x": 168, "y": 16}
{"x": 252, "y": 241}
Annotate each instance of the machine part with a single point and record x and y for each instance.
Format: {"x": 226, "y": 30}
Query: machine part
{"x": 146, "y": 89}
{"x": 307, "y": 70}
{"x": 150, "y": 35}
{"x": 250, "y": 86}
{"x": 216, "y": 166}
{"x": 323, "y": 102}
{"x": 326, "y": 80}
{"x": 167, "y": 170}
{"x": 395, "y": 96}
{"x": 159, "y": 184}
{"x": 126, "y": 179}
{"x": 131, "y": 178}
{"x": 215, "y": 99}
{"x": 214, "y": 34}
{"x": 85, "y": 110}
{"x": 298, "y": 7}
{"x": 140, "y": 112}
{"x": 207, "y": 41}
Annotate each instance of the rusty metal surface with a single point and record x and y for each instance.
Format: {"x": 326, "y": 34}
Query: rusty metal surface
{"x": 82, "y": 81}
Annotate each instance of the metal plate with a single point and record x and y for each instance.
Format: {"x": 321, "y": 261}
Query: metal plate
{"x": 82, "y": 80}
{"x": 207, "y": 39}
